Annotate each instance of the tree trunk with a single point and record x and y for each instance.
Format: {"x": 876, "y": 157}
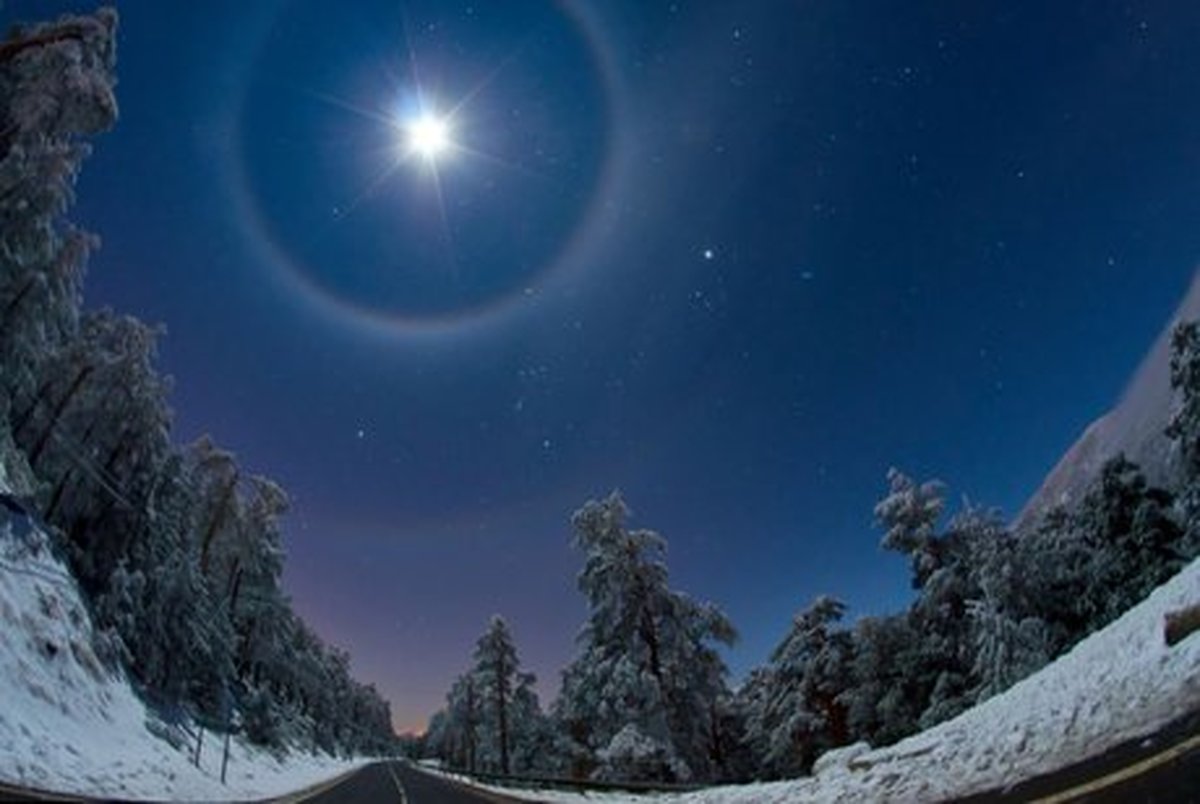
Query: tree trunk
{"x": 59, "y": 410}
{"x": 10, "y": 310}
{"x": 215, "y": 523}
{"x": 11, "y": 48}
{"x": 56, "y": 498}
{"x": 502, "y": 703}
{"x": 470, "y": 736}
{"x": 24, "y": 417}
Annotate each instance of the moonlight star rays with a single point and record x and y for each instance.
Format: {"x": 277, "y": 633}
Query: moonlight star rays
{"x": 437, "y": 204}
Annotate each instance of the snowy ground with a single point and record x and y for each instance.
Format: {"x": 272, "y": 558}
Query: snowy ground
{"x": 1118, "y": 684}
{"x": 68, "y": 725}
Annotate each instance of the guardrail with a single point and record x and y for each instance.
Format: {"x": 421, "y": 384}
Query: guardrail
{"x": 565, "y": 783}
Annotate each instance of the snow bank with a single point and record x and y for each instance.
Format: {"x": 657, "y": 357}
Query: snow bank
{"x": 1120, "y": 683}
{"x": 69, "y": 725}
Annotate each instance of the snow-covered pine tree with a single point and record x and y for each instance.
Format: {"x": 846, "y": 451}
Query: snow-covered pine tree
{"x": 944, "y": 567}
{"x": 463, "y": 710}
{"x": 509, "y": 712}
{"x": 647, "y": 657}
{"x": 1133, "y": 540}
{"x": 492, "y": 720}
{"x": 909, "y": 515}
{"x": 1009, "y": 638}
{"x": 884, "y": 700}
{"x": 56, "y": 88}
{"x": 1184, "y": 428}
{"x": 797, "y": 708}
{"x": 496, "y": 670}
{"x": 96, "y": 435}
{"x": 533, "y": 739}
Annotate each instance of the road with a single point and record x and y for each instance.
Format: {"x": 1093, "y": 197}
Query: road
{"x": 377, "y": 783}
{"x": 1164, "y": 769}
{"x": 400, "y": 783}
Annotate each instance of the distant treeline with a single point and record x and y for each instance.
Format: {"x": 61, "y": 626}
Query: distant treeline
{"x": 176, "y": 548}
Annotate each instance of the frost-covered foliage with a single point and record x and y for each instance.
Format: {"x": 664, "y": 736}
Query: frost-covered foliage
{"x": 645, "y": 699}
{"x": 492, "y": 721}
{"x": 795, "y": 707}
{"x": 989, "y": 609}
{"x": 647, "y": 653}
{"x": 177, "y": 551}
{"x": 634, "y": 755}
{"x": 56, "y": 87}
{"x": 1184, "y": 427}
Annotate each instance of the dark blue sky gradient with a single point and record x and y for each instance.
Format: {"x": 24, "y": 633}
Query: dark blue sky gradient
{"x": 735, "y": 259}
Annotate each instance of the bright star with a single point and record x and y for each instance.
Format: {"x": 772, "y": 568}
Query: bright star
{"x": 429, "y": 136}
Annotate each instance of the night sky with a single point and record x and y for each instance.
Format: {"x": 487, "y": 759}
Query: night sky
{"x": 735, "y": 259}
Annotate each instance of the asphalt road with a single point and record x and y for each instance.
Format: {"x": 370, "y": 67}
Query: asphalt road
{"x": 1163, "y": 769}
{"x": 400, "y": 783}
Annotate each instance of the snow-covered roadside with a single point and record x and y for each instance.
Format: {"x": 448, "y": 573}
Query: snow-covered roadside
{"x": 67, "y": 725}
{"x": 1118, "y": 684}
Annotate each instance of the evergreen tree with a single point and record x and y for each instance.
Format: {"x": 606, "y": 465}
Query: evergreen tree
{"x": 797, "y": 708}
{"x": 941, "y": 569}
{"x": 492, "y": 720}
{"x": 56, "y": 87}
{"x": 1132, "y": 539}
{"x": 647, "y": 658}
{"x": 909, "y": 515}
{"x": 885, "y": 699}
{"x": 1184, "y": 429}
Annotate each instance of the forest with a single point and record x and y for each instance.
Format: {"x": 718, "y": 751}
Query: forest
{"x": 648, "y": 698}
{"x": 175, "y": 546}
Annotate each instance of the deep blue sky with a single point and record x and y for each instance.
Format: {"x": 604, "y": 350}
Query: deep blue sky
{"x": 735, "y": 259}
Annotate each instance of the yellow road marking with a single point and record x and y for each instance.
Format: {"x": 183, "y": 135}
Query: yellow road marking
{"x": 1128, "y": 772}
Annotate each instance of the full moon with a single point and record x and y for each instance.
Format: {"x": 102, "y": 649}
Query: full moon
{"x": 428, "y": 136}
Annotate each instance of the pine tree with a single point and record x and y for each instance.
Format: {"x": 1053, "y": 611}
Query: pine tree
{"x": 647, "y": 655}
{"x": 492, "y": 720}
{"x": 496, "y": 668}
{"x": 1132, "y": 539}
{"x": 1184, "y": 429}
{"x": 885, "y": 698}
{"x": 798, "y": 708}
{"x": 909, "y": 515}
{"x": 56, "y": 87}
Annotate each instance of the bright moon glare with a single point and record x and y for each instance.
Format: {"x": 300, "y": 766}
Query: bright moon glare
{"x": 428, "y": 136}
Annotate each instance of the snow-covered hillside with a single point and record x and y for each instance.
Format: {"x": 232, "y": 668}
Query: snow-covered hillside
{"x": 68, "y": 724}
{"x": 1135, "y": 426}
{"x": 1118, "y": 684}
